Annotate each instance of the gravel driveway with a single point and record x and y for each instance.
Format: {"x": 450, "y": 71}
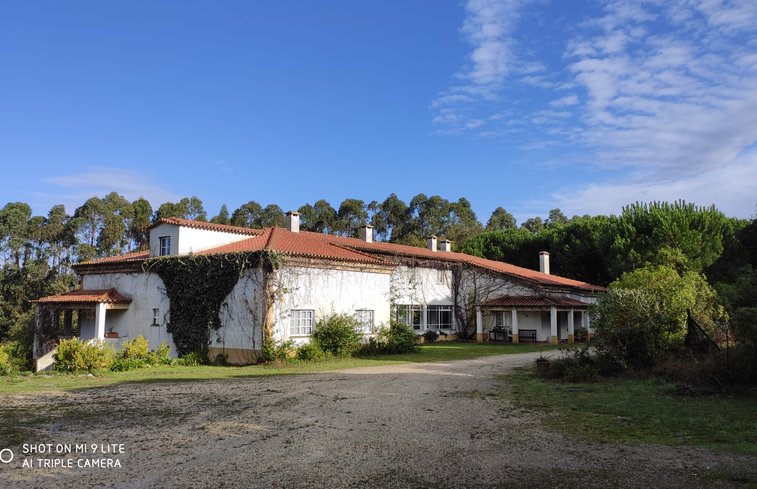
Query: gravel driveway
{"x": 422, "y": 425}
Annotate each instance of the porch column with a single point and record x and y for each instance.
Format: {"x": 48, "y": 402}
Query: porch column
{"x": 553, "y": 325}
{"x": 479, "y": 325}
{"x": 515, "y": 325}
{"x": 571, "y": 328}
{"x": 100, "y": 321}
{"x": 424, "y": 317}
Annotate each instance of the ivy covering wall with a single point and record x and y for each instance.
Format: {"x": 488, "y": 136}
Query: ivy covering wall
{"x": 197, "y": 286}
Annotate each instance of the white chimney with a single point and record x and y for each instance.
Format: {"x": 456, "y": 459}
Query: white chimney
{"x": 544, "y": 262}
{"x": 431, "y": 243}
{"x": 366, "y": 233}
{"x": 293, "y": 221}
{"x": 445, "y": 245}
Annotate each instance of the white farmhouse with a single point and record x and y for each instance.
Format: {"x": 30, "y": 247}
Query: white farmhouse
{"x": 316, "y": 275}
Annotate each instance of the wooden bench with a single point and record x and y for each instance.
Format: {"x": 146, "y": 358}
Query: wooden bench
{"x": 527, "y": 334}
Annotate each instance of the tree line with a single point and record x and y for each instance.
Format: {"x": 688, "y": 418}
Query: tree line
{"x": 36, "y": 252}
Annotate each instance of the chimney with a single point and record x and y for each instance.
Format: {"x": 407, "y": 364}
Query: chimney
{"x": 431, "y": 240}
{"x": 293, "y": 221}
{"x": 544, "y": 262}
{"x": 445, "y": 245}
{"x": 366, "y": 233}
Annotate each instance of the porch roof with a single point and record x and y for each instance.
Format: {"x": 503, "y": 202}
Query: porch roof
{"x": 534, "y": 301}
{"x": 83, "y": 296}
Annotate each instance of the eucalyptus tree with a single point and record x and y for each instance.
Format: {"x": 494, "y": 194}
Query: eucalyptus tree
{"x": 222, "y": 217}
{"x": 270, "y": 216}
{"x": 396, "y": 214}
{"x": 14, "y": 231}
{"x": 140, "y": 223}
{"x": 351, "y": 215}
{"x": 500, "y": 220}
{"x": 247, "y": 214}
{"x": 324, "y": 217}
{"x": 463, "y": 223}
{"x": 556, "y": 218}
{"x": 431, "y": 215}
{"x": 533, "y": 224}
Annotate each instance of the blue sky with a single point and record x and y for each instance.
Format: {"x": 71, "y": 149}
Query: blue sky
{"x": 529, "y": 105}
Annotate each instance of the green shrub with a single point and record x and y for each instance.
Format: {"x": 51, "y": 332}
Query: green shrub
{"x": 163, "y": 354}
{"x": 643, "y": 315}
{"x": 337, "y": 335}
{"x": 575, "y": 365}
{"x": 122, "y": 364}
{"x": 20, "y": 353}
{"x": 273, "y": 351}
{"x": 135, "y": 353}
{"x": 310, "y": 352}
{"x": 430, "y": 336}
{"x": 74, "y": 355}
{"x": 6, "y": 366}
{"x": 192, "y": 359}
{"x": 581, "y": 334}
{"x": 135, "y": 348}
{"x": 397, "y": 338}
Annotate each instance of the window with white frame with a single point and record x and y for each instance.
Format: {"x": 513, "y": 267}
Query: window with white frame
{"x": 439, "y": 317}
{"x": 165, "y": 245}
{"x": 503, "y": 319}
{"x": 365, "y": 320}
{"x": 301, "y": 322}
{"x": 409, "y": 315}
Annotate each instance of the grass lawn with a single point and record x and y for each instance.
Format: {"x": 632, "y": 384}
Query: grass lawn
{"x": 640, "y": 411}
{"x": 438, "y": 352}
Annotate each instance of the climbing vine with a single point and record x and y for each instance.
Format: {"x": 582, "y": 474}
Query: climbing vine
{"x": 197, "y": 286}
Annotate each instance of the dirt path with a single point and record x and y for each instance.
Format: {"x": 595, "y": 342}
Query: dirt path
{"x": 423, "y": 425}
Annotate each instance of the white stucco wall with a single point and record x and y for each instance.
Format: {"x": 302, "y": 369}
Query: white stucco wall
{"x": 163, "y": 230}
{"x": 242, "y": 315}
{"x": 188, "y": 240}
{"x": 144, "y": 290}
{"x": 416, "y": 285}
{"x": 327, "y": 292}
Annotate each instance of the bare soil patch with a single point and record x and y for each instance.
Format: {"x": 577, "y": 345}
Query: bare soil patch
{"x": 432, "y": 425}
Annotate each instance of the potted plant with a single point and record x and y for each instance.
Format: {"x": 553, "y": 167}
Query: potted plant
{"x": 542, "y": 365}
{"x": 111, "y": 334}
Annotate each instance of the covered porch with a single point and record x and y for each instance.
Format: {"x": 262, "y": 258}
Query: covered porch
{"x": 531, "y": 318}
{"x": 79, "y": 313}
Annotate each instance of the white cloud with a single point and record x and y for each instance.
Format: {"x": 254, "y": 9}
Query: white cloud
{"x": 730, "y": 188}
{"x": 565, "y": 101}
{"x": 74, "y": 189}
{"x": 667, "y": 104}
{"x": 487, "y": 27}
{"x": 655, "y": 90}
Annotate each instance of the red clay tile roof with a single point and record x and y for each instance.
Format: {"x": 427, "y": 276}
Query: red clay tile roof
{"x": 134, "y": 256}
{"x": 329, "y": 247}
{"x": 304, "y": 244}
{"x": 110, "y": 296}
{"x": 208, "y": 226}
{"x": 534, "y": 301}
